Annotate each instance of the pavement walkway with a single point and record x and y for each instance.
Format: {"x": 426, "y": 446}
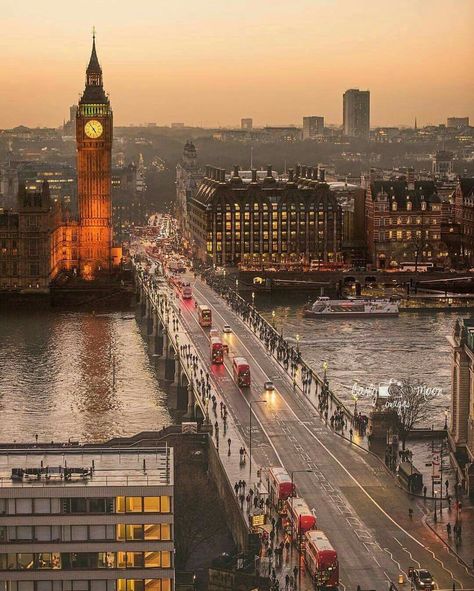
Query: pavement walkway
{"x": 462, "y": 545}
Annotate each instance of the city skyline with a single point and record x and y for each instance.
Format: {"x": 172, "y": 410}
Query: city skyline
{"x": 192, "y": 63}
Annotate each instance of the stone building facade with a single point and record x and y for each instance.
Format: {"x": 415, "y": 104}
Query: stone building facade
{"x": 272, "y": 222}
{"x": 188, "y": 179}
{"x": 461, "y": 431}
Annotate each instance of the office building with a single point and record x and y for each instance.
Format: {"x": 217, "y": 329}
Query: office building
{"x": 313, "y": 127}
{"x": 86, "y": 519}
{"x": 356, "y": 113}
{"x": 246, "y": 123}
{"x": 458, "y": 122}
{"x": 236, "y": 220}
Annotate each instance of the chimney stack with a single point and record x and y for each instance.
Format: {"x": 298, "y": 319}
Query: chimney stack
{"x": 290, "y": 175}
{"x": 236, "y": 171}
{"x": 254, "y": 175}
{"x": 322, "y": 175}
{"x": 269, "y": 171}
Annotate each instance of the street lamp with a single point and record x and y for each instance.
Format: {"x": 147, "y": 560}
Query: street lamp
{"x": 253, "y": 299}
{"x": 273, "y": 318}
{"x": 446, "y": 420}
{"x": 236, "y": 285}
{"x": 297, "y": 343}
{"x": 435, "y": 513}
{"x": 250, "y": 433}
{"x": 325, "y": 369}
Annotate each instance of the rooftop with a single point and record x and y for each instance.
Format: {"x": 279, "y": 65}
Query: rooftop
{"x": 80, "y": 466}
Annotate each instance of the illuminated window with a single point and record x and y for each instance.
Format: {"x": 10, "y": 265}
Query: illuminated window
{"x": 151, "y": 504}
{"x": 133, "y": 505}
{"x": 399, "y": 234}
{"x": 165, "y": 504}
{"x": 120, "y": 504}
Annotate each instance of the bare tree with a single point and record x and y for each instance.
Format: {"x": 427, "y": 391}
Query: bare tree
{"x": 199, "y": 515}
{"x": 411, "y": 400}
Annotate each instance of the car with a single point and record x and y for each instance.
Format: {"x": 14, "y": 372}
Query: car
{"x": 269, "y": 386}
{"x": 422, "y": 579}
{"x": 227, "y": 328}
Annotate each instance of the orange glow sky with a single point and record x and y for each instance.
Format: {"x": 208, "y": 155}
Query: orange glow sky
{"x": 212, "y": 62}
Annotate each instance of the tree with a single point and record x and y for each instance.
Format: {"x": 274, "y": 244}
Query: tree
{"x": 411, "y": 400}
{"x": 199, "y": 515}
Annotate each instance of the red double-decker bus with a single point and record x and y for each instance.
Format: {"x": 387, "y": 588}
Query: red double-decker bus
{"x": 217, "y": 350}
{"x": 299, "y": 517}
{"x": 280, "y": 487}
{"x": 321, "y": 559}
{"x": 204, "y": 315}
{"x": 241, "y": 370}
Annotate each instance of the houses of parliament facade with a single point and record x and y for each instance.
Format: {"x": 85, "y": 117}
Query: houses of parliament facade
{"x": 39, "y": 240}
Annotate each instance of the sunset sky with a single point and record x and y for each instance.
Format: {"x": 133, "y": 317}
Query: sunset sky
{"x": 212, "y": 62}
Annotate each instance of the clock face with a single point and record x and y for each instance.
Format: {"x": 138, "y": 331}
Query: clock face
{"x": 93, "y": 129}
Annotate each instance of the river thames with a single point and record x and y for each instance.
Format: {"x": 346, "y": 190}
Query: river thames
{"x": 370, "y": 351}
{"x": 75, "y": 376}
{"x": 88, "y": 377}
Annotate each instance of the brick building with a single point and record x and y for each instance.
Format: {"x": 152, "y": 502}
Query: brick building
{"x": 403, "y": 221}
{"x": 464, "y": 217}
{"x": 265, "y": 221}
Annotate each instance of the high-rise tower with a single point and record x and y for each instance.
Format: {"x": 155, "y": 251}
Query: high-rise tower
{"x": 356, "y": 113}
{"x": 94, "y": 131}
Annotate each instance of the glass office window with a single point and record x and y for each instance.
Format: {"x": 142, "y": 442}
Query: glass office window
{"x": 152, "y": 504}
{"x": 133, "y": 504}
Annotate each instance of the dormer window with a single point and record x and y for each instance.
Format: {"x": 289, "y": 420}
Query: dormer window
{"x": 394, "y": 205}
{"x": 409, "y": 205}
{"x": 423, "y": 205}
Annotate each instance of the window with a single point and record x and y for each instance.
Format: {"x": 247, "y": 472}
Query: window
{"x": 24, "y": 506}
{"x": 49, "y": 560}
{"x": 25, "y": 560}
{"x": 133, "y": 504}
{"x": 42, "y": 506}
{"x": 152, "y": 504}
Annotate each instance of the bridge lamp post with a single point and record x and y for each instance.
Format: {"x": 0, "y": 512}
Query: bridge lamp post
{"x": 273, "y": 318}
{"x": 297, "y": 343}
{"x": 253, "y": 299}
{"x": 325, "y": 369}
{"x": 236, "y": 285}
{"x": 446, "y": 420}
{"x": 250, "y": 430}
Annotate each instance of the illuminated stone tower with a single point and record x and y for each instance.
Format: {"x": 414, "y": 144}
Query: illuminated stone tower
{"x": 94, "y": 130}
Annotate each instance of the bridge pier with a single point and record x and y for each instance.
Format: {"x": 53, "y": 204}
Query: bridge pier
{"x": 158, "y": 337}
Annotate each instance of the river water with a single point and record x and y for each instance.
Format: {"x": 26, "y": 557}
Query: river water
{"x": 88, "y": 377}
{"x": 75, "y": 376}
{"x": 371, "y": 350}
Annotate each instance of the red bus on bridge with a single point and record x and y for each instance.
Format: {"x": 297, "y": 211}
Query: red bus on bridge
{"x": 280, "y": 487}
{"x": 217, "y": 350}
{"x": 299, "y": 517}
{"x": 241, "y": 370}
{"x": 204, "y": 315}
{"x": 321, "y": 559}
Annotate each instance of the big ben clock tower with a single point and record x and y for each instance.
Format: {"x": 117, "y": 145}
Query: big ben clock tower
{"x": 94, "y": 151}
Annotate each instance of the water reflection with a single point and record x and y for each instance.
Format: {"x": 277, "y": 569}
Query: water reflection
{"x": 75, "y": 376}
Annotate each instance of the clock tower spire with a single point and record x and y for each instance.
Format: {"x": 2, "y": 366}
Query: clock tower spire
{"x": 94, "y": 129}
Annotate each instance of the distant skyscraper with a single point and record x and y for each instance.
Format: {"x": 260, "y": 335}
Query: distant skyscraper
{"x": 356, "y": 113}
{"x": 246, "y": 123}
{"x": 312, "y": 127}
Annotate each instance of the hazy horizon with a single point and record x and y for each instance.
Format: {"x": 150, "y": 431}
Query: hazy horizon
{"x": 209, "y": 63}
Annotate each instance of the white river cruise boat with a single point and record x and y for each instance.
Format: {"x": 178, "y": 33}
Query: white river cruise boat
{"x": 325, "y": 308}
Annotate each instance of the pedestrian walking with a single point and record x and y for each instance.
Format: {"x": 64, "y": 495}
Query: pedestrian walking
{"x": 287, "y": 581}
{"x": 236, "y": 488}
